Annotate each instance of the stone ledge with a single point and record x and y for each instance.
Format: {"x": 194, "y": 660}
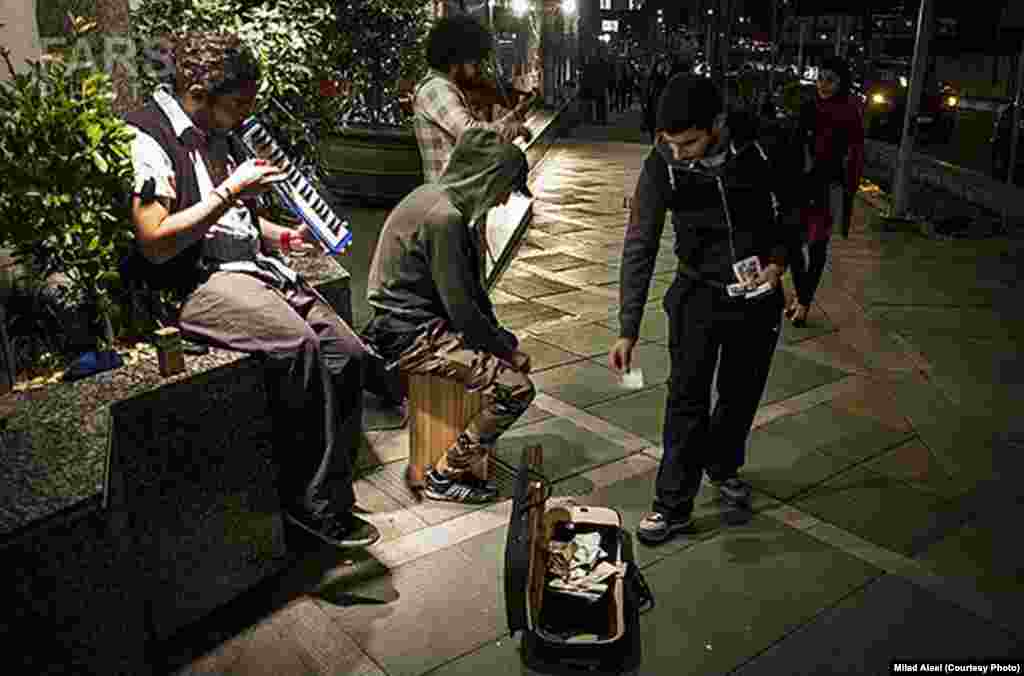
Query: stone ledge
{"x": 190, "y": 511}
{"x": 55, "y": 438}
{"x": 947, "y": 183}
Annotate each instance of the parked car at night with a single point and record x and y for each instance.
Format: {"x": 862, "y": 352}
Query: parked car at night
{"x": 1001, "y": 141}
{"x": 885, "y": 87}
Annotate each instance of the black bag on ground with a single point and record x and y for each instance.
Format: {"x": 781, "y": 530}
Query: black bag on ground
{"x": 566, "y": 634}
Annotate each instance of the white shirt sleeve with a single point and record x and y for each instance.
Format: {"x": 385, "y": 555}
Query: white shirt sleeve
{"x": 149, "y": 160}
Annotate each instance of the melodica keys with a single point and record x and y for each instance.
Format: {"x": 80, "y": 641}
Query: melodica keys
{"x": 296, "y": 191}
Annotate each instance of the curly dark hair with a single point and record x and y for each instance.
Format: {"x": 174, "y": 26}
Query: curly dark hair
{"x": 218, "y": 63}
{"x": 457, "y": 39}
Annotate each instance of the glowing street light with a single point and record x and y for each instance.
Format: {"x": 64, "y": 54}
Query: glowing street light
{"x": 520, "y": 7}
{"x": 569, "y": 6}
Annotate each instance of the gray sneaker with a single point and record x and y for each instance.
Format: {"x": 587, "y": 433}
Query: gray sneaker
{"x": 734, "y": 491}
{"x": 656, "y": 528}
{"x": 472, "y": 492}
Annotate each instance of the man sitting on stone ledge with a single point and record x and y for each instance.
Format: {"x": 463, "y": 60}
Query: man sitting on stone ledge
{"x": 431, "y": 312}
{"x": 191, "y": 209}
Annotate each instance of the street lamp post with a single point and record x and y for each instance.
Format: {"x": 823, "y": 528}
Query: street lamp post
{"x": 901, "y": 183}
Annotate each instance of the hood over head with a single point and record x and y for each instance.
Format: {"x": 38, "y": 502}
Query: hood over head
{"x": 483, "y": 166}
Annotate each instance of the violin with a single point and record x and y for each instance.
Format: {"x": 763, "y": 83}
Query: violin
{"x": 483, "y": 96}
{"x": 486, "y": 94}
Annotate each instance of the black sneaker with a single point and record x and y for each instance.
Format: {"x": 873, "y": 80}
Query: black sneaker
{"x": 735, "y": 491}
{"x": 346, "y": 530}
{"x": 473, "y": 492}
{"x": 655, "y": 528}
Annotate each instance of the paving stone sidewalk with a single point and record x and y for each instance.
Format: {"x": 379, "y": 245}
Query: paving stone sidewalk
{"x": 885, "y": 459}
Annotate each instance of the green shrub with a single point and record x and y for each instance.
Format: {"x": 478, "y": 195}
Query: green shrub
{"x": 51, "y": 15}
{"x": 65, "y": 172}
{"x": 385, "y": 46}
{"x": 305, "y": 48}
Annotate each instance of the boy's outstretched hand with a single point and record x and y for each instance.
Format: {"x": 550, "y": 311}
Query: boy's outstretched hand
{"x": 521, "y": 362}
{"x": 621, "y": 356}
{"x": 771, "y": 273}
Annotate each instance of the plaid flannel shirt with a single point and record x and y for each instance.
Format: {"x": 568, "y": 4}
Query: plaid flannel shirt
{"x": 440, "y": 114}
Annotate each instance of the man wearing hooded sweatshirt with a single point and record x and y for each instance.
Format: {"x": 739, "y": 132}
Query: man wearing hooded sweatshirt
{"x": 711, "y": 173}
{"x": 431, "y": 312}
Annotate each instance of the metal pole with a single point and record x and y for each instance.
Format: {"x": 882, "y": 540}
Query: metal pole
{"x": 800, "y": 47}
{"x": 839, "y": 34}
{"x": 724, "y": 48}
{"x": 709, "y": 46}
{"x": 920, "y": 67}
{"x": 1015, "y": 130}
{"x": 775, "y": 47}
{"x": 8, "y": 372}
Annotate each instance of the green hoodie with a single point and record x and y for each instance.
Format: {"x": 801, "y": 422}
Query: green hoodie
{"x": 428, "y": 262}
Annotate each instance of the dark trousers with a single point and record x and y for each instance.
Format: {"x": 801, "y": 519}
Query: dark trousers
{"x": 708, "y": 329}
{"x": 601, "y": 109}
{"x": 307, "y": 346}
{"x": 807, "y": 261}
{"x": 624, "y": 97}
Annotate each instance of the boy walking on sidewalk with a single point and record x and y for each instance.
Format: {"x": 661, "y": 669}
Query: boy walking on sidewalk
{"x": 725, "y": 304}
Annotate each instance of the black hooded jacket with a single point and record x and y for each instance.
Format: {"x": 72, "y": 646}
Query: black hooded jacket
{"x": 723, "y": 208}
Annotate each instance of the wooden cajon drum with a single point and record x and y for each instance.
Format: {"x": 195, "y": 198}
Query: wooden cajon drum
{"x": 439, "y": 409}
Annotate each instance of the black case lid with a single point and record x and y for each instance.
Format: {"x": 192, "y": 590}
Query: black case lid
{"x": 517, "y": 548}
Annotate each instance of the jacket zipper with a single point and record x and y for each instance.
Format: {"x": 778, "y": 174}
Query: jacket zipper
{"x": 728, "y": 216}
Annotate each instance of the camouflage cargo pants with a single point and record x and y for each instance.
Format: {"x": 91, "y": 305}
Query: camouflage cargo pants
{"x": 507, "y": 393}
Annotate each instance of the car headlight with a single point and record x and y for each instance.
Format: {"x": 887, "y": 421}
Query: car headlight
{"x": 879, "y": 99}
{"x": 952, "y": 101}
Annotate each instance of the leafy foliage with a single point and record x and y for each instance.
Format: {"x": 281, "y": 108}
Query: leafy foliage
{"x": 385, "y": 46}
{"x": 52, "y": 15}
{"x": 309, "y": 51}
{"x": 65, "y": 167}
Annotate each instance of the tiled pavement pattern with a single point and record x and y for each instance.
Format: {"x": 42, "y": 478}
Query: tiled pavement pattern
{"x": 885, "y": 459}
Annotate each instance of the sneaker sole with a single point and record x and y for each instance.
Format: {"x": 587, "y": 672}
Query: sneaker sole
{"x": 364, "y": 542}
{"x": 745, "y": 501}
{"x": 670, "y": 532}
{"x": 440, "y": 497}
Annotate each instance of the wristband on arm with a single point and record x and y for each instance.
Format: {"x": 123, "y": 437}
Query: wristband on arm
{"x": 286, "y": 241}
{"x": 225, "y": 195}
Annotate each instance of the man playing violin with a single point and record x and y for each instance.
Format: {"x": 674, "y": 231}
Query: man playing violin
{"x": 197, "y": 233}
{"x": 456, "y": 49}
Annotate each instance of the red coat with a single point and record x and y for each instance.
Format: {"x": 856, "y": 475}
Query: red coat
{"x": 838, "y": 129}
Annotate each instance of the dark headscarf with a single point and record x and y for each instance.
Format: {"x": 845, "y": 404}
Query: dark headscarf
{"x": 839, "y": 66}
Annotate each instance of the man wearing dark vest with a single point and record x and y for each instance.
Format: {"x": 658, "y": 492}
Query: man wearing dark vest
{"x": 194, "y": 224}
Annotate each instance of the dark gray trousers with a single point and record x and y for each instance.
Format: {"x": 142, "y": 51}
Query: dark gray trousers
{"x": 306, "y": 346}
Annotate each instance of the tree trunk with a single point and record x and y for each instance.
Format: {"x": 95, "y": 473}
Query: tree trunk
{"x": 7, "y": 367}
{"x": 114, "y": 26}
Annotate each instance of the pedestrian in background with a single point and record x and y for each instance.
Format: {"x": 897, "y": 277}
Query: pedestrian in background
{"x": 831, "y": 137}
{"x": 655, "y": 85}
{"x": 625, "y": 86}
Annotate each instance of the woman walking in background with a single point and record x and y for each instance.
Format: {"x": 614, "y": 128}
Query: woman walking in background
{"x": 655, "y": 84}
{"x": 832, "y": 138}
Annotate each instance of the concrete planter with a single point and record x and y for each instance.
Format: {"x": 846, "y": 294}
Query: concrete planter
{"x": 372, "y": 165}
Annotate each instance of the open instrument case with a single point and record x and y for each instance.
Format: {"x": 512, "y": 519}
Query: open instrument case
{"x": 565, "y": 633}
